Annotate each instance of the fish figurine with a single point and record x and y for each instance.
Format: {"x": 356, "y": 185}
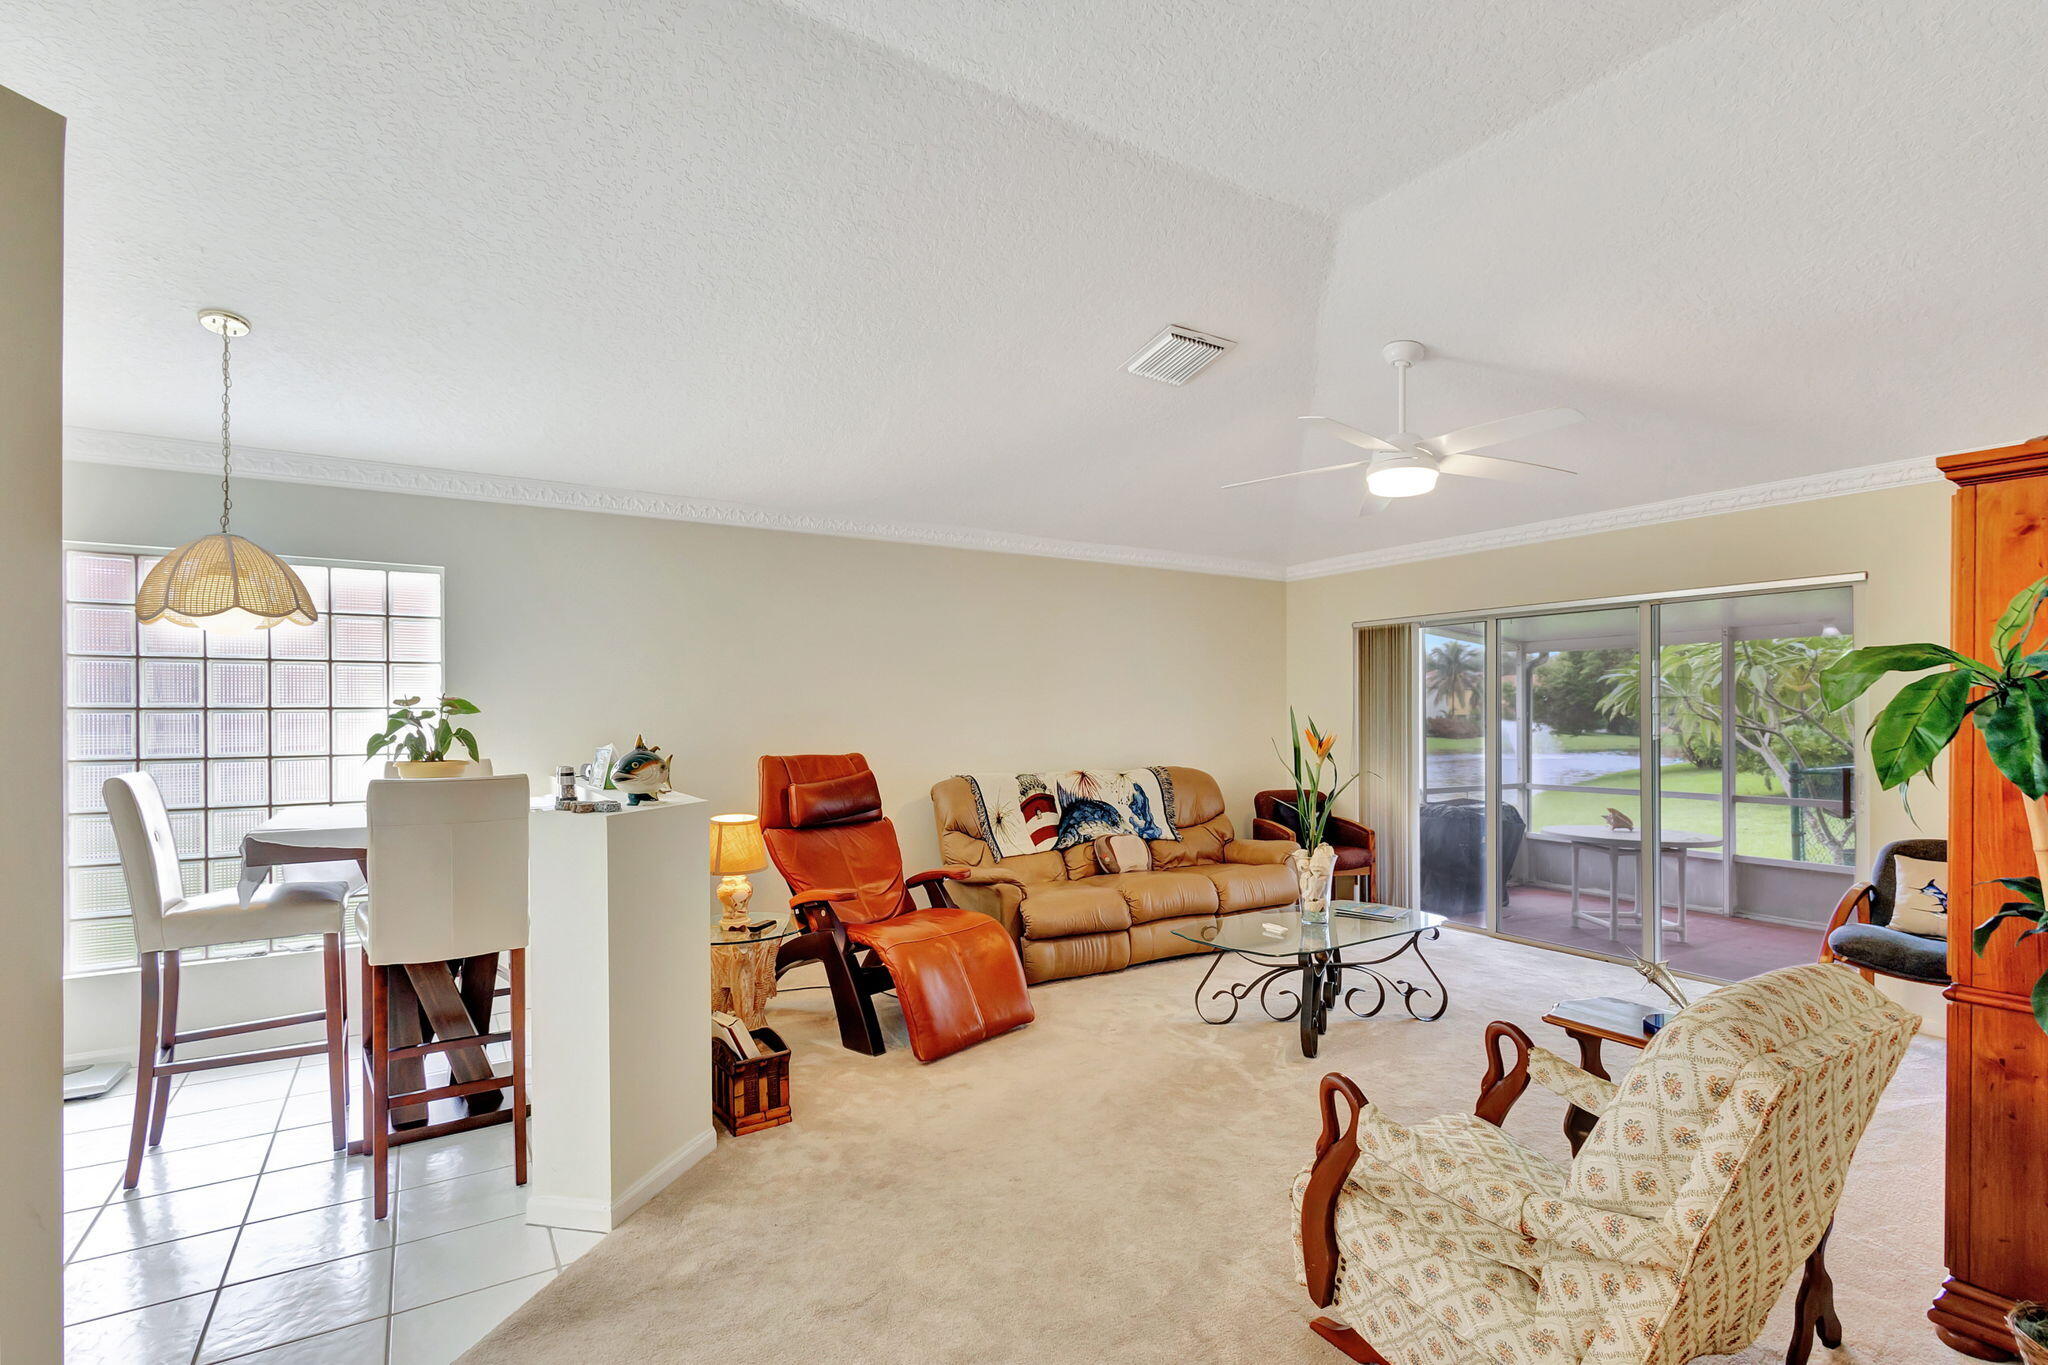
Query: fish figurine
{"x": 641, "y": 772}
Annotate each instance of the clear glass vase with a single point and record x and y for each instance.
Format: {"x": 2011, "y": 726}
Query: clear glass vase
{"x": 1313, "y": 875}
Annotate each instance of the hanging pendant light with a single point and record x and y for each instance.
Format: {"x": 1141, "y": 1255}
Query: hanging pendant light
{"x": 221, "y": 581}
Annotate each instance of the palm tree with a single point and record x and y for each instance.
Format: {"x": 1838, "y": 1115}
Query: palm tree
{"x": 1451, "y": 673}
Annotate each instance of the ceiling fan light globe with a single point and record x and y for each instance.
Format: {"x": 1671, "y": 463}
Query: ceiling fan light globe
{"x": 1401, "y": 480}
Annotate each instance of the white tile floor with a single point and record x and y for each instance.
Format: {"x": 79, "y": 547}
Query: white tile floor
{"x": 249, "y": 1239}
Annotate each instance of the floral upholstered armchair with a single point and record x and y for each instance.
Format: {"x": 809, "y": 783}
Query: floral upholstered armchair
{"x": 1713, "y": 1172}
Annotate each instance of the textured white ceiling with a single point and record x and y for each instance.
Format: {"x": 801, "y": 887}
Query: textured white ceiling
{"x": 883, "y": 262}
{"x": 1799, "y": 240}
{"x": 1320, "y": 103}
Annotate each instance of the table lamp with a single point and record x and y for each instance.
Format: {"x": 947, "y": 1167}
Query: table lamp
{"x": 736, "y": 850}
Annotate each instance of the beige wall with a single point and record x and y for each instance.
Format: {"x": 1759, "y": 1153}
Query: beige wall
{"x": 722, "y": 644}
{"x": 31, "y": 403}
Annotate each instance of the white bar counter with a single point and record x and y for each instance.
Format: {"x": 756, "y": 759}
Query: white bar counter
{"x": 619, "y": 992}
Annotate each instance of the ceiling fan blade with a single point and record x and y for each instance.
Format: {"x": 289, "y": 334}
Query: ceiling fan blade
{"x": 1344, "y": 431}
{"x": 1503, "y": 429}
{"x": 1494, "y": 467}
{"x": 1298, "y": 473}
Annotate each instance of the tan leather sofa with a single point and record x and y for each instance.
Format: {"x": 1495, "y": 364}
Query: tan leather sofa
{"x": 1071, "y": 919}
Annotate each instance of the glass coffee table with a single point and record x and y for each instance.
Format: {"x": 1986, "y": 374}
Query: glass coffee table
{"x": 1302, "y": 967}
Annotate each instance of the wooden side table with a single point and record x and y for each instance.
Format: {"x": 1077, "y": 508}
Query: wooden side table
{"x": 1589, "y": 1023}
{"x": 743, "y": 969}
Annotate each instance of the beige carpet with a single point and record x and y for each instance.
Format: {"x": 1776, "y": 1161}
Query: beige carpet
{"x": 1110, "y": 1184}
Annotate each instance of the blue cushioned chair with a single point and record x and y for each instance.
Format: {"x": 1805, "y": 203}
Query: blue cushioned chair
{"x": 1860, "y": 933}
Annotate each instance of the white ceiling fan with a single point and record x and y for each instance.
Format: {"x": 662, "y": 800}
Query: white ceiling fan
{"x": 1406, "y": 465}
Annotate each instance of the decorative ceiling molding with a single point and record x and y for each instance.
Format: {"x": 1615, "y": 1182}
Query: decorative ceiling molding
{"x": 1837, "y": 483}
{"x": 164, "y": 452}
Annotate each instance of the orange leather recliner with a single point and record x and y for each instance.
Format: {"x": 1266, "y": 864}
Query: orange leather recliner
{"x": 955, "y": 972}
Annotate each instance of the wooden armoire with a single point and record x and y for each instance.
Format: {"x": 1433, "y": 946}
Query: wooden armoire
{"x": 1997, "y": 1170}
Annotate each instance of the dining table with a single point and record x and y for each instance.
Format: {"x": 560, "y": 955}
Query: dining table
{"x": 433, "y": 1000}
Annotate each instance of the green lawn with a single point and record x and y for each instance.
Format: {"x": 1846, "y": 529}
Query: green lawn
{"x": 1761, "y": 831}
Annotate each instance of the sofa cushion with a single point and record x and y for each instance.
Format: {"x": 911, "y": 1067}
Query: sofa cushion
{"x": 1162, "y": 938}
{"x": 1249, "y": 886}
{"x": 1050, "y": 959}
{"x": 1059, "y": 909}
{"x": 1162, "y": 895}
{"x": 1198, "y": 844}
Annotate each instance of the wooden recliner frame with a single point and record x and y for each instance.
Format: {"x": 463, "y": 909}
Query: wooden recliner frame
{"x": 854, "y": 982}
{"x": 1504, "y": 1083}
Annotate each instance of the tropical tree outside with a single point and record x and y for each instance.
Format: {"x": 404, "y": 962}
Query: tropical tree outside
{"x": 1452, "y": 675}
{"x": 1782, "y": 726}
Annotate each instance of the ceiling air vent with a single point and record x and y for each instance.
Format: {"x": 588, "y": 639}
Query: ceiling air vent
{"x": 1177, "y": 355}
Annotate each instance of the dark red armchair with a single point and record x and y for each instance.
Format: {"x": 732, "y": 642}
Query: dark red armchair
{"x": 955, "y": 973}
{"x": 1275, "y": 818}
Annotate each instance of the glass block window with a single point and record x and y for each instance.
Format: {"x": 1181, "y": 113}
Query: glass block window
{"x": 231, "y": 726}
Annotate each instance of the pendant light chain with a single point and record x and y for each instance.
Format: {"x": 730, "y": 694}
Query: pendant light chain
{"x": 226, "y": 446}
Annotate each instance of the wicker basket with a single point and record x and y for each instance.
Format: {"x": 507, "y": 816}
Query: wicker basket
{"x": 751, "y": 1093}
{"x": 2031, "y": 1351}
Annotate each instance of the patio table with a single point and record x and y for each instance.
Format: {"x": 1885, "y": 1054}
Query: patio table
{"x": 1619, "y": 843}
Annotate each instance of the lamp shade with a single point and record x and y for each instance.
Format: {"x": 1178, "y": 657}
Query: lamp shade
{"x": 736, "y": 847}
{"x": 224, "y": 582}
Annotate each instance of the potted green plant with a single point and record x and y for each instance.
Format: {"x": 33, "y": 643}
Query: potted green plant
{"x": 420, "y": 737}
{"x": 2007, "y": 700}
{"x": 1315, "y": 862}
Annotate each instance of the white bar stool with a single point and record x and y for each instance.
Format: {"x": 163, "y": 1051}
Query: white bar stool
{"x": 447, "y": 871}
{"x": 168, "y": 921}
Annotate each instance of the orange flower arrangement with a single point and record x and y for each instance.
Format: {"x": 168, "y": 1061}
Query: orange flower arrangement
{"x": 1311, "y": 768}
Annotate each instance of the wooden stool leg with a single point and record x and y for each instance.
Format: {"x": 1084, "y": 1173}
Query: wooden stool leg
{"x": 517, "y": 1028}
{"x": 377, "y": 1088}
{"x": 1347, "y": 1341}
{"x": 400, "y": 1015}
{"x": 167, "y": 1047}
{"x": 145, "y": 1070}
{"x": 333, "y": 978}
{"x": 449, "y": 1018}
{"x": 478, "y": 988}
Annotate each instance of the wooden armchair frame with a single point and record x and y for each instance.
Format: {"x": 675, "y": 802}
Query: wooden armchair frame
{"x": 1854, "y": 907}
{"x": 854, "y": 982}
{"x": 1504, "y": 1083}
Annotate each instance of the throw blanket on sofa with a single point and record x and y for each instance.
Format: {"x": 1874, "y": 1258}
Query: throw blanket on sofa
{"x": 1038, "y": 812}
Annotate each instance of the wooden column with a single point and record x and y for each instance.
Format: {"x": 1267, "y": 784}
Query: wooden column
{"x": 1997, "y": 1170}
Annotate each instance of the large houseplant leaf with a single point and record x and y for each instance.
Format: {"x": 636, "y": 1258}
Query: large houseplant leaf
{"x": 1850, "y": 676}
{"x": 1910, "y": 733}
{"x": 2012, "y": 724}
{"x": 2015, "y": 621}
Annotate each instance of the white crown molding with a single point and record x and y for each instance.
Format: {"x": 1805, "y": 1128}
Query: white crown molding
{"x": 1807, "y": 488}
{"x": 164, "y": 452}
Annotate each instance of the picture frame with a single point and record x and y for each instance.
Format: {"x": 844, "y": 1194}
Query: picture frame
{"x": 597, "y": 774}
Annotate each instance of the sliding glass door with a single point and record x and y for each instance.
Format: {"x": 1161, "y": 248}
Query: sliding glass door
{"x": 1451, "y": 823}
{"x": 1699, "y": 810}
{"x": 1571, "y": 789}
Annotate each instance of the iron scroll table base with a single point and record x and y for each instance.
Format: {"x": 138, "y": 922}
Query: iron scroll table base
{"x": 1310, "y": 983}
